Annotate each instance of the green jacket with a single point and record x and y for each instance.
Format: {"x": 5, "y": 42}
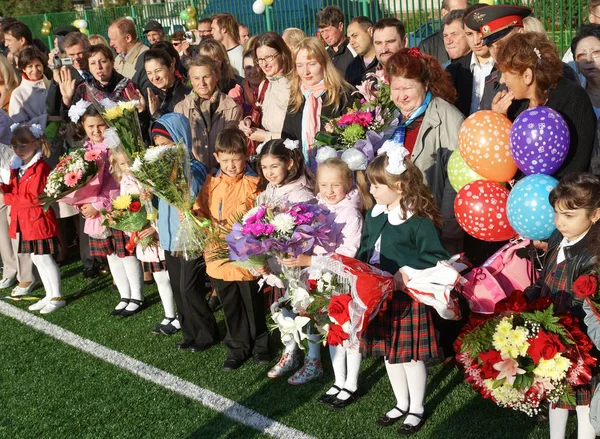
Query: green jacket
{"x": 415, "y": 242}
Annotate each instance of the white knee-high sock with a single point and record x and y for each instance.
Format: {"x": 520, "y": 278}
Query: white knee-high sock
{"x": 585, "y": 430}
{"x": 338, "y": 362}
{"x": 51, "y": 277}
{"x": 166, "y": 293}
{"x": 314, "y": 346}
{"x": 558, "y": 423}
{"x": 397, "y": 377}
{"x": 353, "y": 359}
{"x": 117, "y": 269}
{"x": 416, "y": 376}
{"x": 135, "y": 276}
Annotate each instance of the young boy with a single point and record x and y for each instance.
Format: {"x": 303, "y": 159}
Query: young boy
{"x": 223, "y": 197}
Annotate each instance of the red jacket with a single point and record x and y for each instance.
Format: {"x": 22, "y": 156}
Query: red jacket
{"x": 26, "y": 215}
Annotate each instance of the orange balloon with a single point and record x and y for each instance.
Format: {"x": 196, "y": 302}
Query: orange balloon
{"x": 483, "y": 141}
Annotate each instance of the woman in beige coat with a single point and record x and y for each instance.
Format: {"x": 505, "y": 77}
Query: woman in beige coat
{"x": 209, "y": 110}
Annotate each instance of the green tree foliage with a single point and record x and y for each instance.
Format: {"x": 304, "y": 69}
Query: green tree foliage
{"x": 15, "y": 8}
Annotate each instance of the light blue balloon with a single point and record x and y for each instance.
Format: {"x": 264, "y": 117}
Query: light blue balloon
{"x": 528, "y": 207}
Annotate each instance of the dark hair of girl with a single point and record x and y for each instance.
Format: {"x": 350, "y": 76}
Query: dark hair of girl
{"x": 278, "y": 149}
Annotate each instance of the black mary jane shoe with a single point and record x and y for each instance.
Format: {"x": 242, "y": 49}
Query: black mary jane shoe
{"x": 139, "y": 303}
{"x": 117, "y": 312}
{"x": 338, "y": 403}
{"x": 409, "y": 430}
{"x": 328, "y": 399}
{"x": 386, "y": 421}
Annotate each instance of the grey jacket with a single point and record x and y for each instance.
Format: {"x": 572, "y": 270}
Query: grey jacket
{"x": 437, "y": 138}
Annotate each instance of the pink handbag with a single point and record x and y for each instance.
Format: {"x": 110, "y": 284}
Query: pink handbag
{"x": 498, "y": 277}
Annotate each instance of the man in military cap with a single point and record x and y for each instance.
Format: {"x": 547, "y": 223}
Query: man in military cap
{"x": 496, "y": 24}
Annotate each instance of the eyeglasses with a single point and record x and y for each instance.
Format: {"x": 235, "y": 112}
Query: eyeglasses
{"x": 586, "y": 55}
{"x": 267, "y": 59}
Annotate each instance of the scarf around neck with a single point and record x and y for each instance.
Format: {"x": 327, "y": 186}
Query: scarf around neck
{"x": 400, "y": 132}
{"x": 311, "y": 117}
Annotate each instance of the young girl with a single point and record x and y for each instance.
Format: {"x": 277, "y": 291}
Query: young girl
{"x": 570, "y": 254}
{"x": 335, "y": 193}
{"x": 284, "y": 177}
{"x": 402, "y": 229}
{"x": 38, "y": 229}
{"x": 126, "y": 270}
{"x": 153, "y": 258}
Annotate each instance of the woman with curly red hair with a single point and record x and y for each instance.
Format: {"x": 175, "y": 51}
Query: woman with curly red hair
{"x": 429, "y": 127}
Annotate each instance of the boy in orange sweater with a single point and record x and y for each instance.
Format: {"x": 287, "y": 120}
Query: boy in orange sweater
{"x": 223, "y": 198}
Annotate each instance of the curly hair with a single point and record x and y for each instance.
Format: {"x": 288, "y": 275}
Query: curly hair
{"x": 412, "y": 64}
{"x": 415, "y": 195}
{"x": 532, "y": 50}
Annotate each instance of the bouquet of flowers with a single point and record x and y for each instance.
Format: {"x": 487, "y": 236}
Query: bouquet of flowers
{"x": 165, "y": 171}
{"x": 365, "y": 126}
{"x": 525, "y": 354}
{"x": 336, "y": 297}
{"x": 76, "y": 179}
{"x": 128, "y": 214}
{"x": 276, "y": 230}
{"x": 123, "y": 117}
{"x": 586, "y": 287}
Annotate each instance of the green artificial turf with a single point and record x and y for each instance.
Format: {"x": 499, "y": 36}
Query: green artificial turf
{"x": 51, "y": 390}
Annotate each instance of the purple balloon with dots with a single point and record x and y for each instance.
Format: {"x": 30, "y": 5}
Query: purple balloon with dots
{"x": 539, "y": 141}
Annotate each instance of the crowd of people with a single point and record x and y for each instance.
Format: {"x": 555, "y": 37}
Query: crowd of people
{"x": 249, "y": 109}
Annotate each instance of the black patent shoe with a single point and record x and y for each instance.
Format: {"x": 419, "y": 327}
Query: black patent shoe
{"x": 409, "y": 430}
{"x": 328, "y": 399}
{"x": 386, "y": 421}
{"x": 117, "y": 312}
{"x": 338, "y": 403}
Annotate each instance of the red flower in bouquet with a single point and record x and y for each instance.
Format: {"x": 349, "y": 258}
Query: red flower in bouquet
{"x": 338, "y": 308}
{"x": 585, "y": 286}
{"x": 516, "y": 302}
{"x": 135, "y": 206}
{"x": 546, "y": 345}
{"x": 336, "y": 335}
{"x": 489, "y": 358}
{"x": 540, "y": 304}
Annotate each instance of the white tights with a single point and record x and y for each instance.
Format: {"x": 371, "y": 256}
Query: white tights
{"x": 49, "y": 274}
{"x": 128, "y": 276}
{"x": 558, "y": 423}
{"x": 409, "y": 382}
{"x": 346, "y": 366}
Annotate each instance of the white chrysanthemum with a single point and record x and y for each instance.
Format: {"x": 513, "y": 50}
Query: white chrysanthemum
{"x": 153, "y": 154}
{"x": 111, "y": 138}
{"x": 284, "y": 223}
{"x": 250, "y": 213}
{"x": 137, "y": 165}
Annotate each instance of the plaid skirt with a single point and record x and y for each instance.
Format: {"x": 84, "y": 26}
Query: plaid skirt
{"x": 107, "y": 246}
{"x": 404, "y": 332}
{"x": 272, "y": 295}
{"x": 154, "y": 267}
{"x": 48, "y": 246}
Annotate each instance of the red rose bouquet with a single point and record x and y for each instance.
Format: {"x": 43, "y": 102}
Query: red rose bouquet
{"x": 586, "y": 287}
{"x": 128, "y": 214}
{"x": 525, "y": 354}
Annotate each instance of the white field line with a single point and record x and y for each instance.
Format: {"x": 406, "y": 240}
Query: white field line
{"x": 207, "y": 398}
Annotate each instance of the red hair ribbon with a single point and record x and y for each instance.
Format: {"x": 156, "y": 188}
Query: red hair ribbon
{"x": 415, "y": 52}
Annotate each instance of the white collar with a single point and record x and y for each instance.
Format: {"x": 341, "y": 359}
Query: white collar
{"x": 565, "y": 243}
{"x": 17, "y": 163}
{"x": 394, "y": 217}
{"x": 475, "y": 61}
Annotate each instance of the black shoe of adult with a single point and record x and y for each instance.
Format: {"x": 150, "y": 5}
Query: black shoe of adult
{"x": 182, "y": 344}
{"x": 214, "y": 303}
{"x": 262, "y": 359}
{"x": 338, "y": 403}
{"x": 409, "y": 430}
{"x": 90, "y": 273}
{"x": 386, "y": 421}
{"x": 231, "y": 364}
{"x": 328, "y": 399}
{"x": 200, "y": 348}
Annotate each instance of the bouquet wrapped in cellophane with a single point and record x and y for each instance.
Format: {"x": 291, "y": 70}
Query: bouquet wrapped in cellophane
{"x": 129, "y": 214}
{"x": 165, "y": 171}
{"x": 76, "y": 179}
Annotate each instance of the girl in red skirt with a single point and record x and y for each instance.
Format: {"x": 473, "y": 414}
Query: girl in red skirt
{"x": 572, "y": 252}
{"x": 28, "y": 175}
{"x": 402, "y": 229}
{"x": 126, "y": 270}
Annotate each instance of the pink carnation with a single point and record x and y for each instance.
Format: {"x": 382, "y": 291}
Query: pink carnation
{"x": 72, "y": 178}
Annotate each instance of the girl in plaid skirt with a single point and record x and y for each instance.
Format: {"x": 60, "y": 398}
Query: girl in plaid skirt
{"x": 126, "y": 270}
{"x": 153, "y": 258}
{"x": 402, "y": 229}
{"x": 28, "y": 175}
{"x": 570, "y": 254}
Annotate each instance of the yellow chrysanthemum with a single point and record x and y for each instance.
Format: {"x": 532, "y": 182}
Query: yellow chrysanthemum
{"x": 504, "y": 328}
{"x": 122, "y": 202}
{"x": 114, "y": 113}
{"x": 127, "y": 106}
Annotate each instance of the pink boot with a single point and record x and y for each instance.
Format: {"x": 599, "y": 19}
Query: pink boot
{"x": 311, "y": 370}
{"x": 287, "y": 363}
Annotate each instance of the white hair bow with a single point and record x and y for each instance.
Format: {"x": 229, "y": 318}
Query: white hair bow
{"x": 291, "y": 144}
{"x": 36, "y": 129}
{"x": 260, "y": 147}
{"x": 396, "y": 153}
{"x": 77, "y": 110}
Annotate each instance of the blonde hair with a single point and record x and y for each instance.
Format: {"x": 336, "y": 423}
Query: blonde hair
{"x": 334, "y": 82}
{"x": 350, "y": 176}
{"x": 214, "y": 49}
{"x": 532, "y": 24}
{"x": 415, "y": 196}
{"x": 8, "y": 74}
{"x": 115, "y": 170}
{"x": 22, "y": 135}
{"x": 98, "y": 39}
{"x": 292, "y": 36}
